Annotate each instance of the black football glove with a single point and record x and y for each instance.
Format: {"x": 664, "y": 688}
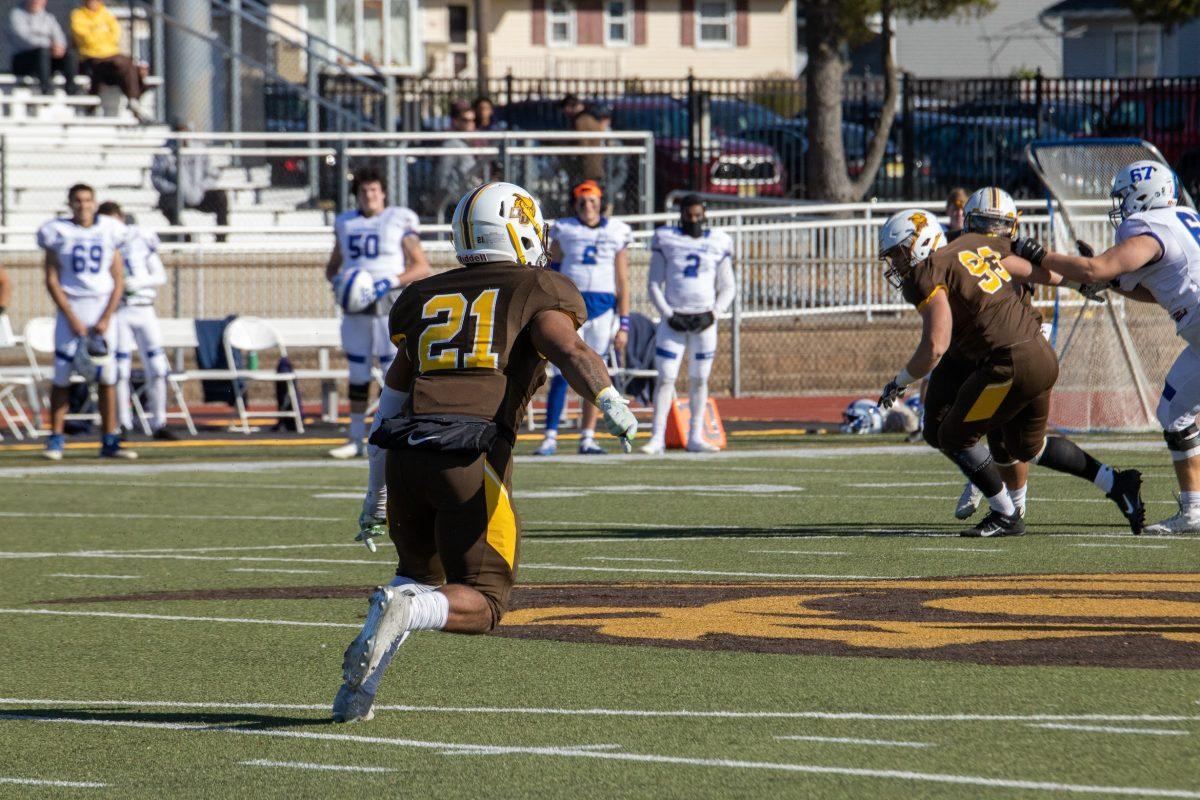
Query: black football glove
{"x": 702, "y": 320}
{"x": 1029, "y": 250}
{"x": 678, "y": 322}
{"x": 1085, "y": 249}
{"x": 891, "y": 393}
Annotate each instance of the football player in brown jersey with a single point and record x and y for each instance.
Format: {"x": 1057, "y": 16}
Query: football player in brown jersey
{"x": 991, "y": 367}
{"x": 473, "y": 345}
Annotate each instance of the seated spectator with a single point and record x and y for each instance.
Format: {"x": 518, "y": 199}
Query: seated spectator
{"x": 195, "y": 179}
{"x": 98, "y": 37}
{"x": 39, "y": 46}
{"x": 485, "y": 115}
{"x": 456, "y": 174}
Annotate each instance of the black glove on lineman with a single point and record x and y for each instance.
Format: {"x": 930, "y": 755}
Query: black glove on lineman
{"x": 1085, "y": 249}
{"x": 1029, "y": 250}
{"x": 691, "y": 323}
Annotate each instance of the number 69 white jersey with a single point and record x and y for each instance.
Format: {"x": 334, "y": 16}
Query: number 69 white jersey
{"x": 691, "y": 266}
{"x": 373, "y": 243}
{"x": 85, "y": 255}
{"x": 1174, "y": 279}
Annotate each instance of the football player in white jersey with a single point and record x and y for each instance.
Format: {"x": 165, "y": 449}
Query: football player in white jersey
{"x": 691, "y": 284}
{"x": 383, "y": 241}
{"x": 85, "y": 279}
{"x": 137, "y": 324}
{"x": 6, "y": 333}
{"x": 1157, "y": 260}
{"x": 593, "y": 251}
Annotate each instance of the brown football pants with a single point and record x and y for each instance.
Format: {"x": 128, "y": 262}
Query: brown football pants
{"x": 1006, "y": 397}
{"x": 452, "y": 519}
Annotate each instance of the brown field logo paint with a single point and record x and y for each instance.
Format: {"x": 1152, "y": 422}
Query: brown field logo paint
{"x": 1106, "y": 620}
{"x": 1091, "y": 620}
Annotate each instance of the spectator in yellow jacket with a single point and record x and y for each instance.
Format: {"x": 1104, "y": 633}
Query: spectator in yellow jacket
{"x": 98, "y": 38}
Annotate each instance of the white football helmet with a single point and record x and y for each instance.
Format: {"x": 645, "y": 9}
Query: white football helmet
{"x": 906, "y": 239}
{"x": 499, "y": 222}
{"x": 1141, "y": 186}
{"x": 92, "y": 356}
{"x": 862, "y": 416}
{"x": 990, "y": 210}
{"x": 354, "y": 291}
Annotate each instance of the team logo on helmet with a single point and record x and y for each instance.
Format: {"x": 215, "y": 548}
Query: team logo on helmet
{"x": 525, "y": 211}
{"x": 919, "y": 221}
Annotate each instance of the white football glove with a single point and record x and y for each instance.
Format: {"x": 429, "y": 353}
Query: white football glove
{"x": 620, "y": 420}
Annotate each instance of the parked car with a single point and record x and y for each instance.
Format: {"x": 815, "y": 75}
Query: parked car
{"x": 1169, "y": 118}
{"x": 733, "y": 117}
{"x": 790, "y": 142}
{"x": 983, "y": 151}
{"x": 1070, "y": 117}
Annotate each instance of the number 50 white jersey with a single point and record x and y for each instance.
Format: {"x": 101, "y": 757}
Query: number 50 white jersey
{"x": 373, "y": 243}
{"x": 689, "y": 267}
{"x": 85, "y": 255}
{"x": 1174, "y": 279}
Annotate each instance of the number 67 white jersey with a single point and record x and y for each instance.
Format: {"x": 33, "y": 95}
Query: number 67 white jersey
{"x": 85, "y": 255}
{"x": 690, "y": 268}
{"x": 1174, "y": 279}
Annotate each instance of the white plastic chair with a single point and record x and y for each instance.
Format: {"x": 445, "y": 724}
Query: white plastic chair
{"x": 39, "y": 340}
{"x": 11, "y": 410}
{"x": 253, "y": 335}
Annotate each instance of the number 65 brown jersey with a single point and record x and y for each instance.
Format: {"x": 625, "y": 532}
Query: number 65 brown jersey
{"x": 987, "y": 308}
{"x": 466, "y": 333}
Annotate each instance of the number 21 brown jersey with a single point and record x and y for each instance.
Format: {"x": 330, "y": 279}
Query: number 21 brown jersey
{"x": 466, "y": 333}
{"x": 987, "y": 307}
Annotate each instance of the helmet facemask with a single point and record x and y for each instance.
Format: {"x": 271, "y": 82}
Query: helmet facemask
{"x": 990, "y": 224}
{"x": 899, "y": 262}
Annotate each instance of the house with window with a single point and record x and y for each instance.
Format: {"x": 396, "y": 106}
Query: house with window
{"x": 1101, "y": 38}
{"x": 560, "y": 38}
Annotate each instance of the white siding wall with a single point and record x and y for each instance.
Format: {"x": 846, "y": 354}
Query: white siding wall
{"x": 995, "y": 45}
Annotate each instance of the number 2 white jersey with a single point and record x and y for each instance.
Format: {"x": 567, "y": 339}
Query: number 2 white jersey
{"x": 1174, "y": 279}
{"x": 589, "y": 257}
{"x": 373, "y": 243}
{"x": 691, "y": 266}
{"x": 85, "y": 255}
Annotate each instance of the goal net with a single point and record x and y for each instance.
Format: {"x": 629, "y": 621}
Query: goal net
{"x": 1113, "y": 356}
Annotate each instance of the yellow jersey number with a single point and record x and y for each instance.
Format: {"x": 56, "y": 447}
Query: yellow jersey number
{"x": 984, "y": 263}
{"x": 448, "y": 313}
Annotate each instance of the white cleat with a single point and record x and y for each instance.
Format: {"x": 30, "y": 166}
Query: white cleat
{"x": 348, "y": 450}
{"x": 1186, "y": 521}
{"x": 969, "y": 502}
{"x": 385, "y": 628}
{"x": 653, "y": 448}
{"x": 701, "y": 446}
{"x": 549, "y": 447}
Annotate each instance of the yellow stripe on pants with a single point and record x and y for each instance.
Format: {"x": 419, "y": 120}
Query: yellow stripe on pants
{"x": 502, "y": 522}
{"x": 988, "y": 401}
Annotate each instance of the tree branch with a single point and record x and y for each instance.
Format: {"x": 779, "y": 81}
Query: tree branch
{"x": 883, "y": 128}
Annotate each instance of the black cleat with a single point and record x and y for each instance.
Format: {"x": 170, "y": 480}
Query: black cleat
{"x": 997, "y": 524}
{"x": 1127, "y": 494}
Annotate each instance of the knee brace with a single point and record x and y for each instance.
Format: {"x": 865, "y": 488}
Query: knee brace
{"x": 1183, "y": 441}
{"x": 360, "y": 392}
{"x": 977, "y": 464}
{"x": 1000, "y": 452}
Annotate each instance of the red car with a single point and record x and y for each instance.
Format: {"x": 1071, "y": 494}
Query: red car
{"x": 1168, "y": 118}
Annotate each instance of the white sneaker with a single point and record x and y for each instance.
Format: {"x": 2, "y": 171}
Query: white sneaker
{"x": 701, "y": 446}
{"x": 139, "y": 111}
{"x": 1185, "y": 521}
{"x": 548, "y": 448}
{"x": 654, "y": 447}
{"x": 385, "y": 628}
{"x": 348, "y": 450}
{"x": 353, "y": 705}
{"x": 969, "y": 502}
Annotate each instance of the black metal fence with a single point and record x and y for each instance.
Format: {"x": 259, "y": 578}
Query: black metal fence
{"x": 749, "y": 137}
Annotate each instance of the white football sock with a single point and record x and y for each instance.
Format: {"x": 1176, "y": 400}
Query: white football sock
{"x": 408, "y": 583}
{"x": 1002, "y": 503}
{"x": 430, "y": 610}
{"x": 1018, "y": 496}
{"x": 1190, "y": 501}
{"x": 551, "y": 434}
{"x": 663, "y": 394}
{"x": 1104, "y": 478}
{"x": 587, "y": 434}
{"x": 697, "y": 400}
{"x": 358, "y": 426}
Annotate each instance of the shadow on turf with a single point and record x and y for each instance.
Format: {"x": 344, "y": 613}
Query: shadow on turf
{"x": 617, "y": 532}
{"x": 244, "y": 720}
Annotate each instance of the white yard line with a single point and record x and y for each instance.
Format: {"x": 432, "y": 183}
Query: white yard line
{"x": 175, "y": 617}
{"x": 97, "y": 577}
{"x": 55, "y": 784}
{"x": 1059, "y": 726}
{"x": 959, "y": 549}
{"x": 854, "y": 716}
{"x": 847, "y": 740}
{"x": 338, "y": 496}
{"x": 282, "y": 571}
{"x": 803, "y": 552}
{"x": 713, "y": 572}
{"x": 643, "y": 758}
{"x": 901, "y": 485}
{"x": 262, "y": 762}
{"x": 1129, "y": 546}
{"x": 126, "y": 515}
{"x": 616, "y": 558}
